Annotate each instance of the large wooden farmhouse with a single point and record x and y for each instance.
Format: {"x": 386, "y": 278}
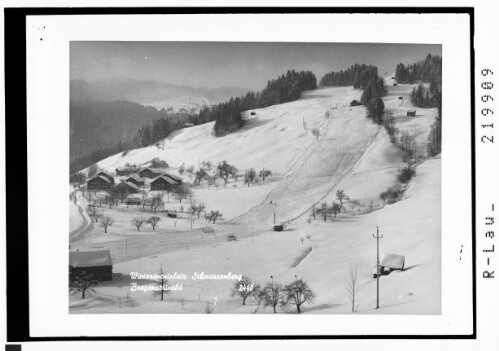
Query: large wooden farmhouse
{"x": 97, "y": 263}
{"x": 163, "y": 183}
{"x": 101, "y": 181}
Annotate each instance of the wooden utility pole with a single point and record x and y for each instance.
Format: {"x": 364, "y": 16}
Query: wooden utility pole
{"x": 377, "y": 237}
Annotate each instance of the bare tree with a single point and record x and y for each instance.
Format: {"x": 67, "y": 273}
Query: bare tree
{"x": 200, "y": 175}
{"x": 335, "y": 208}
{"x": 213, "y": 216}
{"x": 153, "y": 221}
{"x": 340, "y": 196}
{"x": 225, "y": 170}
{"x": 157, "y": 202}
{"x": 244, "y": 288}
{"x": 181, "y": 192}
{"x": 352, "y": 287}
{"x": 82, "y": 283}
{"x": 324, "y": 210}
{"x": 94, "y": 213}
{"x": 105, "y": 222}
{"x": 250, "y": 176}
{"x": 264, "y": 173}
{"x": 137, "y": 222}
{"x": 298, "y": 292}
{"x": 190, "y": 170}
{"x": 273, "y": 294}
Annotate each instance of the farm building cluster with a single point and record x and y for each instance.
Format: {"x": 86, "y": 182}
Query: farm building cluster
{"x": 133, "y": 180}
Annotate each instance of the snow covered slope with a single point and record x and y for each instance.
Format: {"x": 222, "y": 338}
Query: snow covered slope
{"x": 351, "y": 153}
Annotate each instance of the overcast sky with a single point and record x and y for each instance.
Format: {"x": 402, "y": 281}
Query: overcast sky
{"x": 245, "y": 65}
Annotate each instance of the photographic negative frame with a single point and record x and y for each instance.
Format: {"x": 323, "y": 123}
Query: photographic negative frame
{"x": 17, "y": 326}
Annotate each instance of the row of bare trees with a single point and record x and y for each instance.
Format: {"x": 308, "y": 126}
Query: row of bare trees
{"x": 335, "y": 208}
{"x": 274, "y": 294}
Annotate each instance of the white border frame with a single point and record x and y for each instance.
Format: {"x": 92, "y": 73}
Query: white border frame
{"x": 48, "y": 155}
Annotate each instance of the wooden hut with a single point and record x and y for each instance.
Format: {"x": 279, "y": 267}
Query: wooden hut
{"x": 124, "y": 171}
{"x": 355, "y": 103}
{"x": 163, "y": 183}
{"x": 411, "y": 113}
{"x": 388, "y": 263}
{"x": 101, "y": 181}
{"x": 97, "y": 263}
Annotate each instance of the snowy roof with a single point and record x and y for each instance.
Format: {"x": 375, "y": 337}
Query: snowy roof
{"x": 392, "y": 261}
{"x": 131, "y": 185}
{"x": 154, "y": 170}
{"x": 173, "y": 176}
{"x": 101, "y": 177}
{"x": 135, "y": 177}
{"x": 166, "y": 179}
{"x": 130, "y": 168}
{"x": 90, "y": 258}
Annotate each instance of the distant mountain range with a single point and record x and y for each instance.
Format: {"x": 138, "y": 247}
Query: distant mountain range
{"x": 150, "y": 92}
{"x": 107, "y": 112}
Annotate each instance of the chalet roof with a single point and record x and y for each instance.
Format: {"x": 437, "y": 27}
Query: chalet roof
{"x": 166, "y": 179}
{"x": 173, "y": 176}
{"x": 135, "y": 177}
{"x": 104, "y": 175}
{"x": 154, "y": 170}
{"x": 104, "y": 178}
{"x": 90, "y": 258}
{"x": 126, "y": 168}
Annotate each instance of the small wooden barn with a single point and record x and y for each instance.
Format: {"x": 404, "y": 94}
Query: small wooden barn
{"x": 392, "y": 261}
{"x": 163, "y": 183}
{"x": 355, "y": 103}
{"x": 150, "y": 172}
{"x": 388, "y": 263}
{"x": 135, "y": 179}
{"x": 411, "y": 113}
{"x": 97, "y": 263}
{"x": 124, "y": 171}
{"x": 101, "y": 181}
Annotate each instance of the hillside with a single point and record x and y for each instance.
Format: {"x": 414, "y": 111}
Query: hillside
{"x": 347, "y": 152}
{"x": 97, "y": 125}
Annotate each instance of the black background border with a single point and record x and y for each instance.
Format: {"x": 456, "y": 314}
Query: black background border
{"x": 17, "y": 168}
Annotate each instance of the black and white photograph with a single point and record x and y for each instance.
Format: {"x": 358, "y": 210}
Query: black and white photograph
{"x": 255, "y": 178}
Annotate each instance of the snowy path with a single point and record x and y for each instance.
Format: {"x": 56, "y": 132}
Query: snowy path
{"x": 84, "y": 227}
